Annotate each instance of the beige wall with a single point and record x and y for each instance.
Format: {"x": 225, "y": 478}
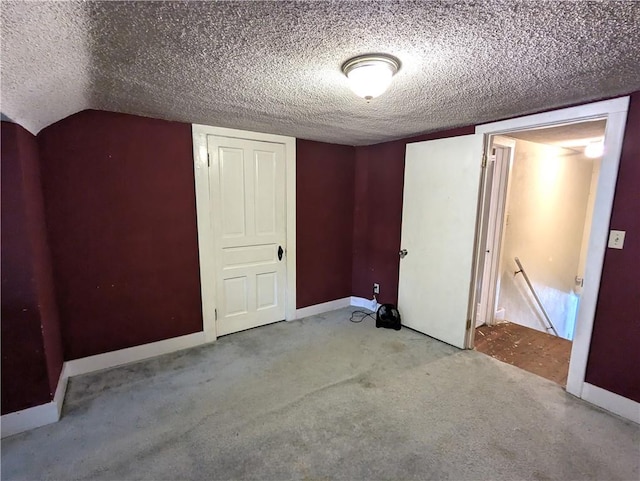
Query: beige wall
{"x": 546, "y": 212}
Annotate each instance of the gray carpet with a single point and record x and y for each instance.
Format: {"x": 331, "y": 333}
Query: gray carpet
{"x": 319, "y": 399}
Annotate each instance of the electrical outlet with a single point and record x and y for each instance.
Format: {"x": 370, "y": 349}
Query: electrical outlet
{"x": 376, "y": 288}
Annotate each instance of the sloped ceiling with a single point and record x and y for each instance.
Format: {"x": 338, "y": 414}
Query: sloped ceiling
{"x": 275, "y": 66}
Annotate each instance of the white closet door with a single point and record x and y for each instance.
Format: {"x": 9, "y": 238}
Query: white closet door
{"x": 248, "y": 203}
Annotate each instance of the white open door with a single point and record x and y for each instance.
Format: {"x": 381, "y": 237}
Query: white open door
{"x": 441, "y": 185}
{"x": 249, "y": 218}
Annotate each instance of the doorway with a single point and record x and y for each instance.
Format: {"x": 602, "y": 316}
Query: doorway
{"x": 546, "y": 184}
{"x": 245, "y": 203}
{"x": 247, "y": 179}
{"x": 444, "y": 219}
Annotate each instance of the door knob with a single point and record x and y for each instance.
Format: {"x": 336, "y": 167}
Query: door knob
{"x": 403, "y": 253}
{"x": 280, "y": 252}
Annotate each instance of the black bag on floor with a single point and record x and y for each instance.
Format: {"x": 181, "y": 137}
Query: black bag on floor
{"x": 388, "y": 317}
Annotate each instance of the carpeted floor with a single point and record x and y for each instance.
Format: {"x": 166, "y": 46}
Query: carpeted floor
{"x": 319, "y": 399}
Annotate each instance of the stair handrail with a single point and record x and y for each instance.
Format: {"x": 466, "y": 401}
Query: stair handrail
{"x": 535, "y": 296}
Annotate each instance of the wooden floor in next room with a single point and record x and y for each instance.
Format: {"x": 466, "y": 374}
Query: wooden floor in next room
{"x": 531, "y": 350}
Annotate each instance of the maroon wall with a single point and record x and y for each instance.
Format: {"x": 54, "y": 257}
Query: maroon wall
{"x": 120, "y": 207}
{"x": 31, "y": 345}
{"x": 614, "y": 357}
{"x": 120, "y": 210}
{"x": 324, "y": 233}
{"x": 379, "y": 182}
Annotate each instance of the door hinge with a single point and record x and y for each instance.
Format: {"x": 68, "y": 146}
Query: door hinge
{"x": 468, "y": 324}
{"x": 208, "y": 160}
{"x": 215, "y": 311}
{"x": 484, "y": 160}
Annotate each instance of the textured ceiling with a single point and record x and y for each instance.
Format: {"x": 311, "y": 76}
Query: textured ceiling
{"x": 571, "y": 137}
{"x": 563, "y": 134}
{"x": 275, "y": 67}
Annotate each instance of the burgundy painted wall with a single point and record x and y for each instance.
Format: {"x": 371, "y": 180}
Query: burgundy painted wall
{"x": 379, "y": 183}
{"x": 31, "y": 344}
{"x": 324, "y": 233}
{"x": 614, "y": 357}
{"x": 41, "y": 255}
{"x": 120, "y": 208}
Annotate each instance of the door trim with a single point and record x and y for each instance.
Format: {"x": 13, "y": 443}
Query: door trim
{"x": 206, "y": 237}
{"x": 496, "y": 229}
{"x": 615, "y": 111}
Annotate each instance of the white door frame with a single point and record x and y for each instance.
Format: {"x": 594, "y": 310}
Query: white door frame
{"x": 615, "y": 111}
{"x": 496, "y": 199}
{"x": 206, "y": 239}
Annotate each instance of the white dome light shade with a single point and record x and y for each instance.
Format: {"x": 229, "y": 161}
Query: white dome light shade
{"x": 370, "y": 75}
{"x": 370, "y": 81}
{"x": 594, "y": 149}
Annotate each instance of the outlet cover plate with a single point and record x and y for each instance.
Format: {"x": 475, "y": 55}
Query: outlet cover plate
{"x": 616, "y": 239}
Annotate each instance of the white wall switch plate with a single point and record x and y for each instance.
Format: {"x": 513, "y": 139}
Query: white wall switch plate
{"x": 616, "y": 239}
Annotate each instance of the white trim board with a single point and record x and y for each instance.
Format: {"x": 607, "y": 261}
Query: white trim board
{"x": 31, "y": 418}
{"x": 323, "y": 307}
{"x": 36, "y": 416}
{"x": 206, "y": 237}
{"x": 615, "y": 112}
{"x": 61, "y": 390}
{"x": 48, "y": 413}
{"x": 132, "y": 354}
{"x": 594, "y": 110}
{"x": 620, "y": 405}
{"x": 371, "y": 304}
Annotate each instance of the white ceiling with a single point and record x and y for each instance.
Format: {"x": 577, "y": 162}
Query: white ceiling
{"x": 275, "y": 67}
{"x": 563, "y": 134}
{"x": 572, "y": 137}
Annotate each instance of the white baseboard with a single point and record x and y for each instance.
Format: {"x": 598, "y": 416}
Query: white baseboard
{"x": 31, "y": 418}
{"x": 61, "y": 390}
{"x": 132, "y": 354}
{"x": 370, "y": 304}
{"x": 316, "y": 309}
{"x": 36, "y": 416}
{"x": 48, "y": 413}
{"x": 324, "y": 307}
{"x": 615, "y": 403}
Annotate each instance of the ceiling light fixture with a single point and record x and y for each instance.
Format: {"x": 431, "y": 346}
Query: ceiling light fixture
{"x": 594, "y": 149}
{"x": 370, "y": 75}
